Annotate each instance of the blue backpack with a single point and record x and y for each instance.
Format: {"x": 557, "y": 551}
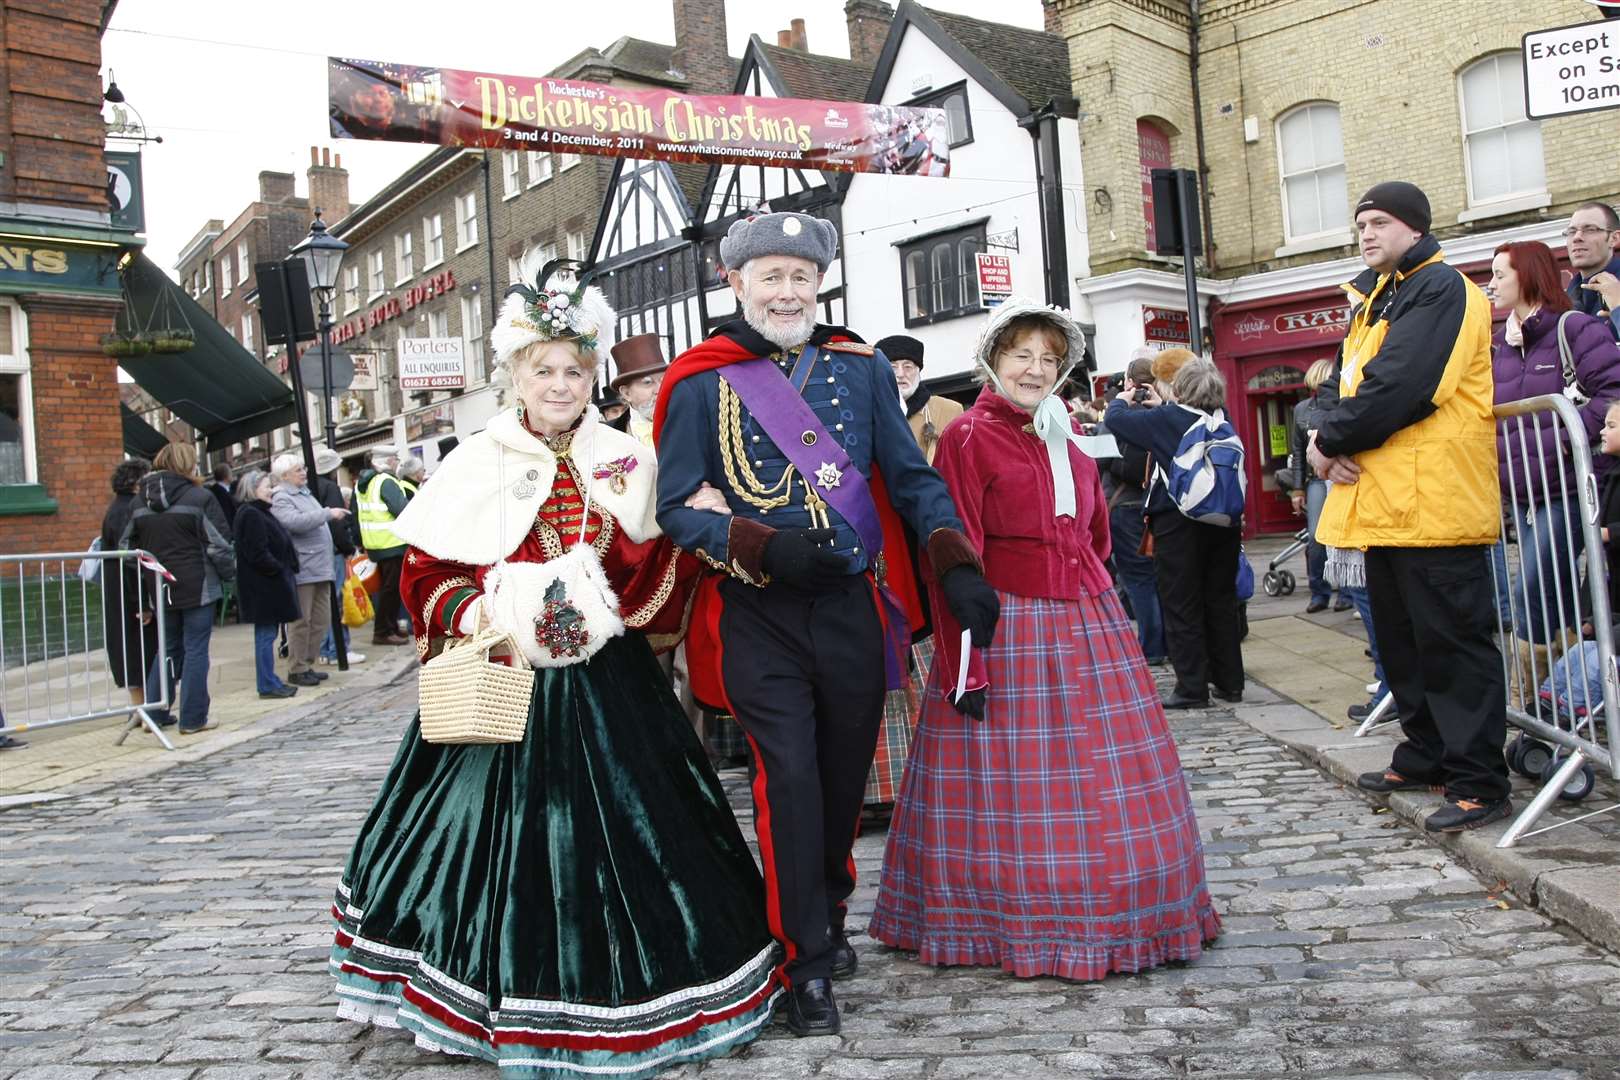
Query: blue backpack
{"x": 1207, "y": 480}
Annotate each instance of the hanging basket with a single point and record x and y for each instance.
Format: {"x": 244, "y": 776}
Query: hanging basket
{"x": 124, "y": 345}
{"x": 172, "y": 340}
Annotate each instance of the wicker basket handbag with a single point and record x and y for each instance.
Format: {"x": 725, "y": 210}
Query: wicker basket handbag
{"x": 468, "y": 698}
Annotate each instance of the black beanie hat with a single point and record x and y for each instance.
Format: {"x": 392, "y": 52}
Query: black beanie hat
{"x": 1405, "y": 201}
{"x": 902, "y": 347}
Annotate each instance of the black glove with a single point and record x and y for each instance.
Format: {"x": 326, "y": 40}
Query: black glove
{"x": 798, "y": 557}
{"x": 971, "y": 704}
{"x": 973, "y": 602}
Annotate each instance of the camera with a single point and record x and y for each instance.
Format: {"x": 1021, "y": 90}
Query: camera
{"x": 1139, "y": 395}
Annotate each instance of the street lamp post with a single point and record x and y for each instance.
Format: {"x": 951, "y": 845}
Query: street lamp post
{"x": 323, "y": 255}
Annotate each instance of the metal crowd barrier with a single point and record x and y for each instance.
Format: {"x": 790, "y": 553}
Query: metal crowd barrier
{"x": 1546, "y": 589}
{"x": 54, "y": 663}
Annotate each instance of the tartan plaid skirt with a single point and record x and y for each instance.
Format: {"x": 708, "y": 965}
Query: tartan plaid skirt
{"x": 1057, "y": 837}
{"x": 900, "y": 710}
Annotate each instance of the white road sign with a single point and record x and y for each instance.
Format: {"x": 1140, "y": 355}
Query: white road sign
{"x": 1572, "y": 69}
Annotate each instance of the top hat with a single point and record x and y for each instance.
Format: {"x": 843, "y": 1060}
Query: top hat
{"x": 637, "y": 356}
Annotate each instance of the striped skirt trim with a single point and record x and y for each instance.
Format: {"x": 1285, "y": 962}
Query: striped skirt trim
{"x": 528, "y": 1038}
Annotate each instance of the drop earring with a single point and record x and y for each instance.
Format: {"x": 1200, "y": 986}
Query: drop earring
{"x": 522, "y": 412}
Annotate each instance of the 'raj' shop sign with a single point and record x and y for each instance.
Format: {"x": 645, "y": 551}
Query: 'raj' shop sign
{"x": 394, "y": 307}
{"x": 1257, "y": 331}
{"x": 1165, "y": 326}
{"x": 369, "y": 99}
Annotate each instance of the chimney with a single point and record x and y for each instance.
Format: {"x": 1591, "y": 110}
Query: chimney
{"x": 700, "y": 46}
{"x": 328, "y": 184}
{"x": 800, "y": 42}
{"x": 784, "y": 39}
{"x": 868, "y": 22}
{"x": 1054, "y": 21}
{"x": 276, "y": 187}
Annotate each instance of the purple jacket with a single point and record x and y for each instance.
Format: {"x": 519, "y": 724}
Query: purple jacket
{"x": 1535, "y": 369}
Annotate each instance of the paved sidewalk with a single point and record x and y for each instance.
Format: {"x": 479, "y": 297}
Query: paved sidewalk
{"x": 176, "y": 928}
{"x": 62, "y": 761}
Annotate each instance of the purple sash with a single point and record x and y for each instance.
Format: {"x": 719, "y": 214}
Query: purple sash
{"x": 795, "y": 428}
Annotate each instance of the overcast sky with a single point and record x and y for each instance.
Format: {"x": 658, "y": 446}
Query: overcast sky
{"x": 236, "y": 87}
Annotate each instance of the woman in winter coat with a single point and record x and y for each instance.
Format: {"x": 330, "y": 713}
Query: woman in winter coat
{"x": 1527, "y": 361}
{"x": 266, "y": 589}
{"x": 181, "y": 524}
{"x": 131, "y": 643}
{"x": 303, "y": 516}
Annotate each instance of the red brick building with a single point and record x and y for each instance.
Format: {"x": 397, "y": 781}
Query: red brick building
{"x": 60, "y": 431}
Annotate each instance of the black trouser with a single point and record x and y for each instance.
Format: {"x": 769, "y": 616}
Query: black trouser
{"x": 386, "y": 621}
{"x": 804, "y": 676}
{"x": 1433, "y": 612}
{"x": 1197, "y": 568}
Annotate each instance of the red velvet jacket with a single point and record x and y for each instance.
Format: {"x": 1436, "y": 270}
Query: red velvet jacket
{"x": 998, "y": 475}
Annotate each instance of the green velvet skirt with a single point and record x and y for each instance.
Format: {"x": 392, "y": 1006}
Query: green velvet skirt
{"x": 579, "y": 903}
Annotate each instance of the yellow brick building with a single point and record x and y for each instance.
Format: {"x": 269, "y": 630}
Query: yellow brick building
{"x": 1291, "y": 110}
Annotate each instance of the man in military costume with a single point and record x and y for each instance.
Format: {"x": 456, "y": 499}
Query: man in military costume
{"x": 805, "y": 622}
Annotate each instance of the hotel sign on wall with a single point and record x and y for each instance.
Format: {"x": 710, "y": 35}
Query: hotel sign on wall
{"x": 394, "y": 306}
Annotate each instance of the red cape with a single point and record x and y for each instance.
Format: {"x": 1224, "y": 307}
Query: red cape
{"x": 704, "y": 649}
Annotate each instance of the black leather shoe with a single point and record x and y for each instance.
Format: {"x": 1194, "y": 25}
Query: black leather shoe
{"x": 1316, "y": 605}
{"x": 844, "y": 960}
{"x": 811, "y": 1009}
{"x": 318, "y": 676}
{"x": 1460, "y": 814}
{"x": 304, "y": 678}
{"x": 1181, "y": 701}
{"x": 1388, "y": 780}
{"x": 279, "y": 692}
{"x": 1232, "y": 696}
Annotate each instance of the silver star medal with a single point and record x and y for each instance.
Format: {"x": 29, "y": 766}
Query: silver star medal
{"x": 828, "y": 475}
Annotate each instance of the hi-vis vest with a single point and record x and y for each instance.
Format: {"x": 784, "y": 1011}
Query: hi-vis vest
{"x": 376, "y": 523}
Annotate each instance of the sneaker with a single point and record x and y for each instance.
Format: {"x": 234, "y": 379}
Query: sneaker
{"x": 282, "y": 691}
{"x": 304, "y": 678}
{"x": 1459, "y": 815}
{"x": 327, "y": 660}
{"x": 9, "y": 743}
{"x": 1358, "y": 713}
{"x": 356, "y": 657}
{"x": 318, "y": 676}
{"x": 206, "y": 725}
{"x": 1389, "y": 780}
{"x": 1372, "y": 688}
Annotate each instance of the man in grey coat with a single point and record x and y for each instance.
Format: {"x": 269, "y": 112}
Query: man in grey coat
{"x": 303, "y": 516}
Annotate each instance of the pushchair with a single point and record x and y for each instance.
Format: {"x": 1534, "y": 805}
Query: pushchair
{"x": 1280, "y": 582}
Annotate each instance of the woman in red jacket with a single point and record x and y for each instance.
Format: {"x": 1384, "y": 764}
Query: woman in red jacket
{"x": 1055, "y": 837}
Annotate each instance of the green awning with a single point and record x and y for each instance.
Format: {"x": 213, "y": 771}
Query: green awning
{"x": 140, "y": 438}
{"x": 216, "y": 386}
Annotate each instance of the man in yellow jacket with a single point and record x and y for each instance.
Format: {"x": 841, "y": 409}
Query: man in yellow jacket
{"x": 1408, "y": 441}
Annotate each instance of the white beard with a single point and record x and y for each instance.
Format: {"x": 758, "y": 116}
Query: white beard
{"x": 788, "y": 337}
{"x": 645, "y": 411}
{"x": 905, "y": 395}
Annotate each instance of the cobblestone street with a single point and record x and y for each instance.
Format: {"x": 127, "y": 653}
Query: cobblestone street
{"x": 176, "y": 929}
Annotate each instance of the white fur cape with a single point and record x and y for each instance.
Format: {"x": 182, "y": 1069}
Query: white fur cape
{"x": 458, "y": 515}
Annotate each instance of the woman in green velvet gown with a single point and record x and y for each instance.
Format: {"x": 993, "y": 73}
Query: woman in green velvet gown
{"x": 580, "y": 902}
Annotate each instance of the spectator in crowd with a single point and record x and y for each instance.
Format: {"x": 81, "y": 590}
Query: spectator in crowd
{"x": 978, "y": 869}
{"x": 304, "y": 518}
{"x": 926, "y": 413}
{"x": 1593, "y": 243}
{"x": 132, "y": 643}
{"x": 1527, "y": 362}
{"x": 381, "y": 500}
{"x": 412, "y": 475}
{"x": 345, "y": 542}
{"x": 1128, "y": 475}
{"x": 1312, "y": 492}
{"x": 266, "y": 577}
{"x": 220, "y": 488}
{"x": 1195, "y": 561}
{"x": 1409, "y": 446}
{"x": 184, "y": 528}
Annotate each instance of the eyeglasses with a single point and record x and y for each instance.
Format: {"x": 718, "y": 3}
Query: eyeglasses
{"x": 1586, "y": 230}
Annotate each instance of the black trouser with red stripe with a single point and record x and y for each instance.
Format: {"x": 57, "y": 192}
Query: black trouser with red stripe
{"x": 804, "y": 676}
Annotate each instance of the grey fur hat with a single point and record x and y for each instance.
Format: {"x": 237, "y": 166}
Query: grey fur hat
{"x": 799, "y": 235}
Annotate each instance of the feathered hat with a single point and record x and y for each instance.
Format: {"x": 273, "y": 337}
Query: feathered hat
{"x": 537, "y": 309}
